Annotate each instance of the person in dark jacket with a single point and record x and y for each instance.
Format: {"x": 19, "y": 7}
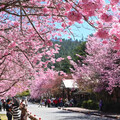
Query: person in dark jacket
{"x": 4, "y": 104}
{"x": 48, "y": 102}
{"x": 1, "y": 105}
{"x": 100, "y": 105}
{"x": 9, "y": 109}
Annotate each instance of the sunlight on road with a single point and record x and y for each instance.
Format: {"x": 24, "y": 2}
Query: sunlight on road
{"x": 59, "y": 114}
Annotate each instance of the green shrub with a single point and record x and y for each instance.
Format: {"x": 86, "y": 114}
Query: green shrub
{"x": 25, "y": 93}
{"x": 90, "y": 104}
{"x": 79, "y": 104}
{"x": 84, "y": 104}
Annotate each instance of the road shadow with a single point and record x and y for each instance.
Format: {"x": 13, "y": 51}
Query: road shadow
{"x": 67, "y": 115}
{"x": 83, "y": 118}
{"x": 62, "y": 112}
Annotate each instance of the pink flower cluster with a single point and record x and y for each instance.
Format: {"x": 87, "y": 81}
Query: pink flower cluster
{"x": 68, "y": 6}
{"x": 106, "y": 17}
{"x": 74, "y": 16}
{"x": 114, "y": 1}
{"x": 101, "y": 33}
{"x": 59, "y": 59}
{"x": 69, "y": 57}
{"x": 12, "y": 45}
{"x": 102, "y": 66}
{"x": 45, "y": 10}
{"x": 117, "y": 46}
{"x": 89, "y": 7}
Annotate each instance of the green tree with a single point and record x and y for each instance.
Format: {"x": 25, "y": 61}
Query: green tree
{"x": 69, "y": 48}
{"x": 80, "y": 50}
{"x": 64, "y": 66}
{"x": 25, "y": 93}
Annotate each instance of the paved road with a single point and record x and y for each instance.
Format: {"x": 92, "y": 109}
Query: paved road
{"x": 58, "y": 114}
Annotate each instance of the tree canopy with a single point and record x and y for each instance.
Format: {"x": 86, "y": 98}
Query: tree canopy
{"x": 27, "y": 26}
{"x": 101, "y": 67}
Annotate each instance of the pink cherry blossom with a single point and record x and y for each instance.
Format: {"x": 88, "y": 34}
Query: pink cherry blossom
{"x": 16, "y": 24}
{"x": 102, "y": 33}
{"x": 74, "y": 16}
{"x": 69, "y": 57}
{"x": 60, "y": 40}
{"x": 114, "y": 1}
{"x": 104, "y": 41}
{"x": 85, "y": 1}
{"x": 45, "y": 10}
{"x": 68, "y": 6}
{"x": 106, "y": 18}
{"x": 60, "y": 59}
{"x": 12, "y": 45}
{"x": 101, "y": 69}
{"x": 25, "y": 39}
{"x": 63, "y": 25}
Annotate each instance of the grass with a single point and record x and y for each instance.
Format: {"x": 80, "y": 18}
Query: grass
{"x": 3, "y": 117}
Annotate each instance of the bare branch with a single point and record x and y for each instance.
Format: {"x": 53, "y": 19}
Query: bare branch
{"x": 7, "y": 5}
{"x": 21, "y": 20}
{"x": 9, "y": 28}
{"x": 25, "y": 56}
{"x": 30, "y": 21}
{"x": 3, "y": 92}
{"x": 3, "y": 70}
{"x": 2, "y": 61}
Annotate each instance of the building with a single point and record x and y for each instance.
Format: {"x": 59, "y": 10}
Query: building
{"x": 68, "y": 87}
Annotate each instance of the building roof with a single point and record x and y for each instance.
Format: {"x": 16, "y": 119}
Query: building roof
{"x": 69, "y": 83}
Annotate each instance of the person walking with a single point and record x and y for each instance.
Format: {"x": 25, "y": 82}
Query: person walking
{"x": 61, "y": 102}
{"x": 100, "y": 105}
{"x": 45, "y": 100}
{"x": 40, "y": 104}
{"x": 16, "y": 110}
{"x": 48, "y": 102}
{"x": 9, "y": 109}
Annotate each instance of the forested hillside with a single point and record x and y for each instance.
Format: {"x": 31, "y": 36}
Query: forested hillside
{"x": 68, "y": 48}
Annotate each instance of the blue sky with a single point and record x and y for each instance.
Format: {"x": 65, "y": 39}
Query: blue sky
{"x": 81, "y": 30}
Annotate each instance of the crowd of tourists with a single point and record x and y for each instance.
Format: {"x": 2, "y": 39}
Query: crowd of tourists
{"x": 56, "y": 102}
{"x": 15, "y": 108}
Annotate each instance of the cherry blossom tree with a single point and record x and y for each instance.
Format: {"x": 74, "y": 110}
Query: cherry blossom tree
{"x": 42, "y": 83}
{"x": 27, "y": 26}
{"x": 100, "y": 71}
{"x": 56, "y": 84}
{"x": 22, "y": 46}
{"x": 46, "y": 82}
{"x": 20, "y": 67}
